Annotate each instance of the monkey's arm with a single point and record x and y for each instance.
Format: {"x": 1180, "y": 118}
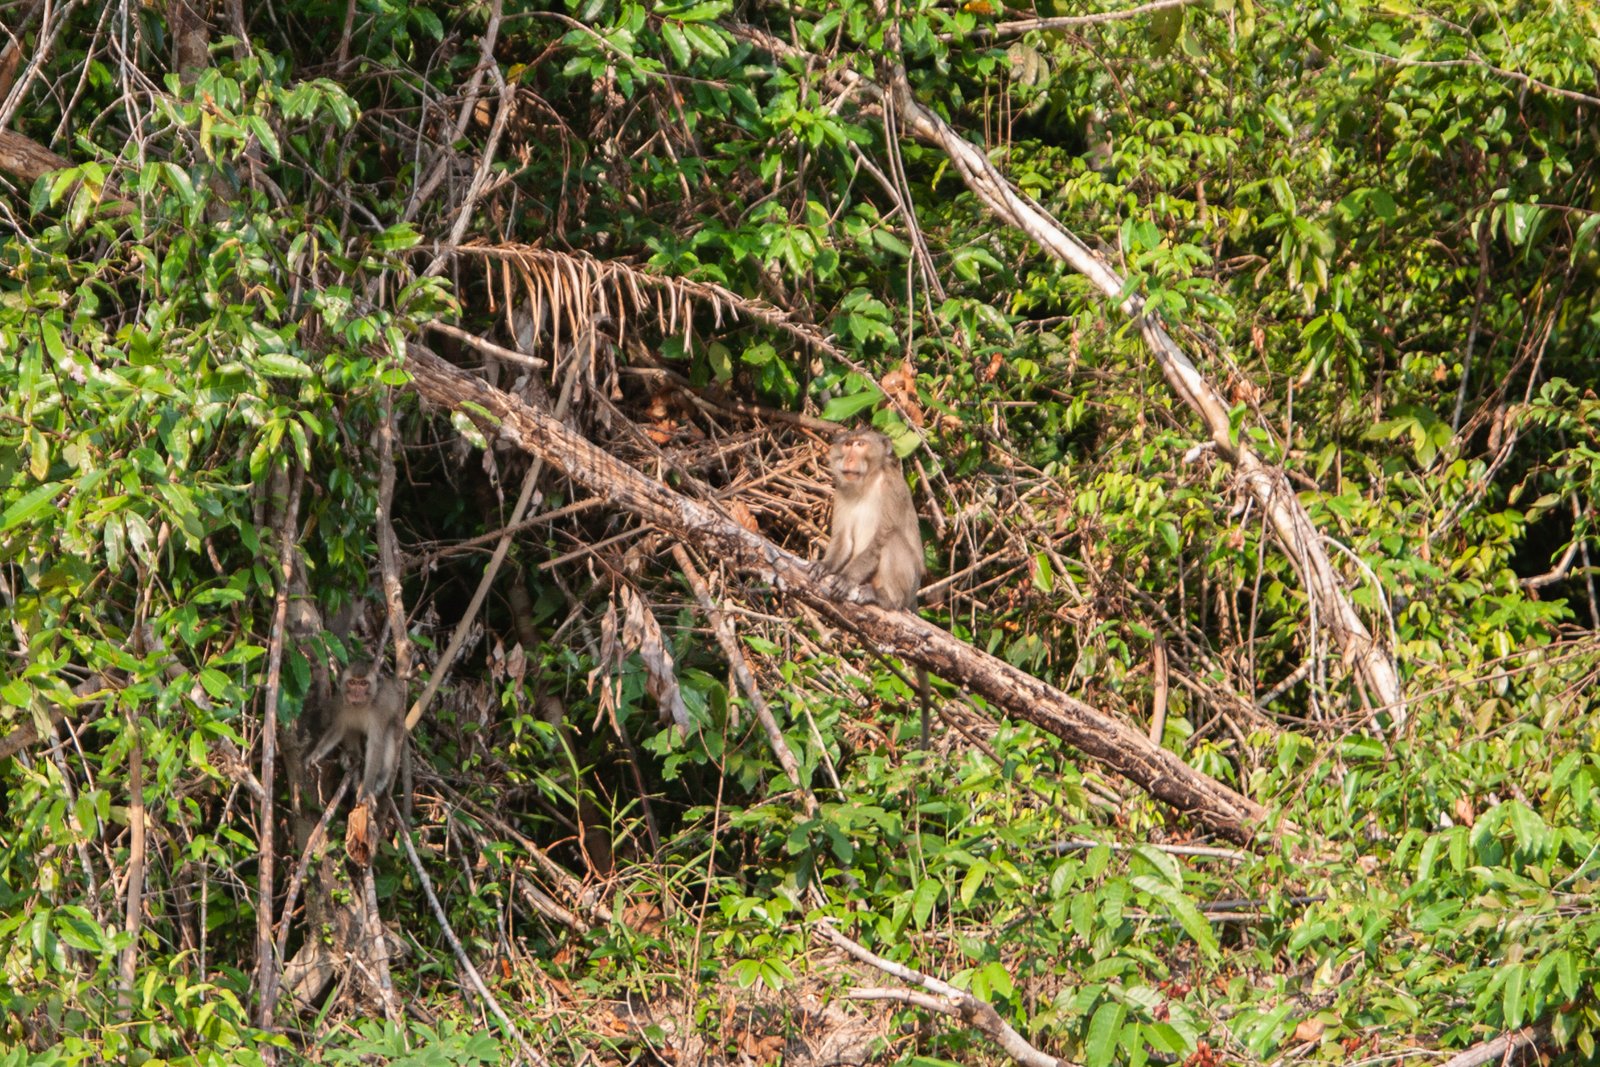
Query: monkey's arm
{"x": 334, "y": 734}
{"x": 838, "y": 553}
{"x": 863, "y": 565}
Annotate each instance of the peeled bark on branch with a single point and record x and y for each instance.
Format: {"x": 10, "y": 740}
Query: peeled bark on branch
{"x": 1128, "y": 752}
{"x": 1266, "y": 482}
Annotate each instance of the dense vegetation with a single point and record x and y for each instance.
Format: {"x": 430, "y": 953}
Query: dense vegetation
{"x": 699, "y": 233}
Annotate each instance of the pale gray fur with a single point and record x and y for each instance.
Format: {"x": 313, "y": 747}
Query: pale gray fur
{"x": 877, "y": 542}
{"x": 376, "y": 716}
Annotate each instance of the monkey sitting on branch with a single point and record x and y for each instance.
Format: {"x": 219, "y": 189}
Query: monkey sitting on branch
{"x": 371, "y": 706}
{"x": 877, "y": 543}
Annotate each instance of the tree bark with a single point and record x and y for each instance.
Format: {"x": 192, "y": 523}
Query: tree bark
{"x": 1130, "y": 753}
{"x": 29, "y": 160}
{"x": 1266, "y": 482}
{"x": 1332, "y": 610}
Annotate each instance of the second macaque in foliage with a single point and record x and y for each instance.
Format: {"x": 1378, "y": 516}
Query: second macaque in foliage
{"x": 369, "y": 707}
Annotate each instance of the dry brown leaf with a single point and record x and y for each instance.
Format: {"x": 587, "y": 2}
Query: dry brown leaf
{"x": 741, "y": 515}
{"x": 1309, "y": 1030}
{"x": 766, "y": 1048}
{"x": 900, "y": 385}
{"x": 642, "y": 634}
{"x": 360, "y": 835}
{"x": 644, "y": 916}
{"x": 987, "y": 373}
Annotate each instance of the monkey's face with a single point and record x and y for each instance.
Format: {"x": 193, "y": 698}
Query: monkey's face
{"x": 357, "y": 687}
{"x": 857, "y": 455}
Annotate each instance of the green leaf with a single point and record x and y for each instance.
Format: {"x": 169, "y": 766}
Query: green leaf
{"x": 17, "y": 692}
{"x": 891, "y": 243}
{"x": 1182, "y": 909}
{"x": 401, "y": 235}
{"x": 922, "y": 901}
{"x": 1513, "y": 996}
{"x": 29, "y": 505}
{"x": 1043, "y": 576}
{"x": 263, "y": 133}
{"x": 1169, "y": 535}
{"x": 1105, "y": 1030}
{"x": 274, "y": 365}
{"x": 841, "y": 408}
{"x": 672, "y": 33}
{"x": 976, "y": 874}
{"x": 1165, "y": 863}
{"x": 1567, "y": 974}
{"x": 1585, "y": 234}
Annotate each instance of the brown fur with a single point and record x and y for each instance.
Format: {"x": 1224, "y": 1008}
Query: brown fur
{"x": 876, "y": 543}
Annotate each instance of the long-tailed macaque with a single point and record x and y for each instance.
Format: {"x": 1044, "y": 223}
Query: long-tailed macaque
{"x": 877, "y": 543}
{"x": 371, "y": 705}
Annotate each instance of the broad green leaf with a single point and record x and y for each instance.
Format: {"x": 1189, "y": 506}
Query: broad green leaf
{"x": 30, "y": 504}
{"x": 1102, "y": 1042}
{"x": 841, "y": 408}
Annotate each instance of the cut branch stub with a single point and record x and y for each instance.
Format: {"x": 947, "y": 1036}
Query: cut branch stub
{"x": 1128, "y": 752}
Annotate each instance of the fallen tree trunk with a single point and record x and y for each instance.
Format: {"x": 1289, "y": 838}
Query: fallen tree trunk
{"x": 1126, "y": 751}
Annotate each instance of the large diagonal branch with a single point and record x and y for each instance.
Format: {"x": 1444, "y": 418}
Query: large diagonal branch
{"x": 1266, "y": 482}
{"x": 901, "y": 633}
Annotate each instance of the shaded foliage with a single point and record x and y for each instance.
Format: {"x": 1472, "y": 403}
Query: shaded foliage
{"x": 1375, "y": 227}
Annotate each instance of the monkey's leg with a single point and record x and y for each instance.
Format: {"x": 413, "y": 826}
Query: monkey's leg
{"x": 898, "y": 574}
{"x": 383, "y": 757}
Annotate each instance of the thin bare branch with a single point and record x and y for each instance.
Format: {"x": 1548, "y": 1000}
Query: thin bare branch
{"x": 267, "y": 963}
{"x": 946, "y": 999}
{"x": 1018, "y": 27}
{"x": 463, "y": 962}
{"x": 1473, "y": 59}
{"x": 729, "y": 642}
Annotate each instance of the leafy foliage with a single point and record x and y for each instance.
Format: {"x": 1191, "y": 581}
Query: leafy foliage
{"x": 1373, "y": 226}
